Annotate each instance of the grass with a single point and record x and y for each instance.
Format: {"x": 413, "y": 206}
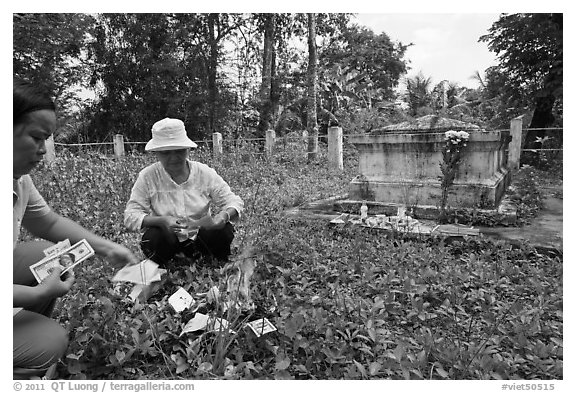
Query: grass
{"x": 348, "y": 302}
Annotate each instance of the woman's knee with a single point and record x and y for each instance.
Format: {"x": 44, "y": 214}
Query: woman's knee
{"x": 222, "y": 236}
{"x": 39, "y": 341}
{"x": 57, "y": 348}
{"x": 157, "y": 246}
{"x": 216, "y": 242}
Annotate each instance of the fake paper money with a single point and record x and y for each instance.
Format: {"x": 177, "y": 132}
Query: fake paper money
{"x": 207, "y": 323}
{"x": 67, "y": 259}
{"x": 145, "y": 273}
{"x": 261, "y": 326}
{"x": 181, "y": 300}
{"x": 57, "y": 248}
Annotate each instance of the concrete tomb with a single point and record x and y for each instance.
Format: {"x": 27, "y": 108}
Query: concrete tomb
{"x": 400, "y": 164}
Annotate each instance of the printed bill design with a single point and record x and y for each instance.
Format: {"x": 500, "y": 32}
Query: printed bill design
{"x": 261, "y": 326}
{"x": 67, "y": 258}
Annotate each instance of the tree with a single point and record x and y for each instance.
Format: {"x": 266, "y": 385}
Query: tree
{"x": 284, "y": 63}
{"x": 49, "y": 50}
{"x": 219, "y": 26}
{"x": 150, "y": 66}
{"x": 530, "y": 54}
{"x": 360, "y": 66}
{"x": 268, "y": 69}
{"x": 137, "y": 80}
{"x": 418, "y": 94}
{"x": 312, "y": 125}
{"x": 493, "y": 102}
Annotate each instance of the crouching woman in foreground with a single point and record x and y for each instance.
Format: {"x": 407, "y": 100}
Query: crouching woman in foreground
{"x": 173, "y": 201}
{"x": 40, "y": 341}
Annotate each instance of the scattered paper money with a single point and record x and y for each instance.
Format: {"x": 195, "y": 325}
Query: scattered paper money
{"x": 142, "y": 292}
{"x": 205, "y": 322}
{"x": 199, "y": 322}
{"x": 181, "y": 300}
{"x": 145, "y": 273}
{"x": 261, "y": 326}
{"x": 136, "y": 291}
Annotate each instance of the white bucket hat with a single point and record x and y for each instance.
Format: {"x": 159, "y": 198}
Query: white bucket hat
{"x": 169, "y": 134}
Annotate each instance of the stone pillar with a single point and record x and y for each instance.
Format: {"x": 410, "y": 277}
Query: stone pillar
{"x": 335, "y": 159}
{"x": 216, "y": 144}
{"x": 515, "y": 146}
{"x": 118, "y": 145}
{"x": 270, "y": 140}
{"x": 50, "y": 155}
{"x": 305, "y": 143}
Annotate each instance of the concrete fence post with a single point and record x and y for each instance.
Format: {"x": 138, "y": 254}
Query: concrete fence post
{"x": 515, "y": 146}
{"x": 305, "y": 143}
{"x": 50, "y": 155}
{"x": 119, "y": 145}
{"x": 269, "y": 145}
{"x": 217, "y": 149}
{"x": 335, "y": 158}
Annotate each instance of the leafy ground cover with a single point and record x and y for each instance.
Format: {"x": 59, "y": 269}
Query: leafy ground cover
{"x": 348, "y": 302}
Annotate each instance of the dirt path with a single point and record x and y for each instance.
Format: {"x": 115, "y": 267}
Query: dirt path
{"x": 545, "y": 231}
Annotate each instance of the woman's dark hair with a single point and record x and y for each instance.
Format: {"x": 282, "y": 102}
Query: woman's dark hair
{"x": 29, "y": 98}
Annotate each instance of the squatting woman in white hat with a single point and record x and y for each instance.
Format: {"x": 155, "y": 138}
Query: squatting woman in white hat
{"x": 181, "y": 205}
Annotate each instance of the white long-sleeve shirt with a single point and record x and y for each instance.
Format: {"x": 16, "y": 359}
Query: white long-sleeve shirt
{"x": 155, "y": 193}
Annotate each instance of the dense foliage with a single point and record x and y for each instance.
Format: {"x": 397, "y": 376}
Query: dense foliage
{"x": 530, "y": 53}
{"x": 530, "y": 72}
{"x": 241, "y": 74}
{"x": 360, "y": 66}
{"x": 49, "y": 51}
{"x": 348, "y": 302}
{"x": 134, "y": 63}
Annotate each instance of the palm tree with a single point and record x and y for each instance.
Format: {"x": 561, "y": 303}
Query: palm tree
{"x": 477, "y": 76}
{"x": 419, "y": 94}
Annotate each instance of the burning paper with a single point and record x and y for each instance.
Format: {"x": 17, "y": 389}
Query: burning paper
{"x": 239, "y": 274}
{"x": 204, "y": 322}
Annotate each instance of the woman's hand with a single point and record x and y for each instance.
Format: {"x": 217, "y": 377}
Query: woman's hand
{"x": 54, "y": 286}
{"x": 172, "y": 224}
{"x": 55, "y": 228}
{"x": 120, "y": 255}
{"x": 209, "y": 222}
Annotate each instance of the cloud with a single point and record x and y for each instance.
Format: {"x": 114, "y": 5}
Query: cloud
{"x": 445, "y": 46}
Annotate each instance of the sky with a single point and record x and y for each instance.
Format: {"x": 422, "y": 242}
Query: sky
{"x": 445, "y": 46}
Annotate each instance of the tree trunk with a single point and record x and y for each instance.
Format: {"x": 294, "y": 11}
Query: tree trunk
{"x": 543, "y": 118}
{"x": 311, "y": 122}
{"x": 212, "y": 71}
{"x": 275, "y": 91}
{"x": 266, "y": 108}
